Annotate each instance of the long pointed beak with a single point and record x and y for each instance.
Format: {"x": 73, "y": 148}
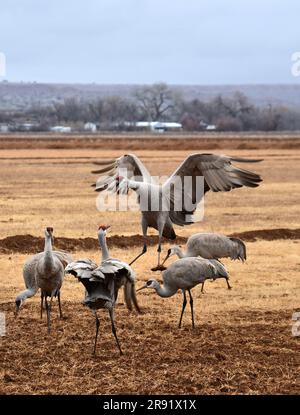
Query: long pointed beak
{"x": 142, "y": 288}
{"x": 167, "y": 256}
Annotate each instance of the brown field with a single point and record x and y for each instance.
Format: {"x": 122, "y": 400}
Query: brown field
{"x": 242, "y": 342}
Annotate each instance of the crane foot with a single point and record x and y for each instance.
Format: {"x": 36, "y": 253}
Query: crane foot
{"x": 159, "y": 268}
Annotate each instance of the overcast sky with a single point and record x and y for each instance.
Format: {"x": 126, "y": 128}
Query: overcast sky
{"x": 145, "y": 41}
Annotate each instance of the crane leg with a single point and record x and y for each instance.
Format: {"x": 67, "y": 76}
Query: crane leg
{"x": 59, "y": 305}
{"x": 42, "y": 304}
{"x": 144, "y": 228}
{"x": 183, "y": 307}
{"x": 202, "y": 288}
{"x": 158, "y": 253}
{"x": 228, "y": 285}
{"x": 48, "y": 310}
{"x": 113, "y": 328}
{"x": 192, "y": 308}
{"x": 159, "y": 266}
{"x": 97, "y": 331}
{"x": 139, "y": 255}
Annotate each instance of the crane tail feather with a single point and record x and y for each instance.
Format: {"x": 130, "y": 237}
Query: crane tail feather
{"x": 134, "y": 299}
{"x": 127, "y": 295}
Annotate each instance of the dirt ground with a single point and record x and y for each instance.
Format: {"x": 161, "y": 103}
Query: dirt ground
{"x": 243, "y": 339}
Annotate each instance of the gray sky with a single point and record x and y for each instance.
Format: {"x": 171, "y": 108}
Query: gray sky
{"x": 145, "y": 41}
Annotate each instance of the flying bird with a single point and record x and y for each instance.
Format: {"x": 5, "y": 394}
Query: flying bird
{"x": 176, "y": 200}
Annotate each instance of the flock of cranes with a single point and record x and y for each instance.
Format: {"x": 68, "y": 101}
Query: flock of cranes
{"x": 198, "y": 263}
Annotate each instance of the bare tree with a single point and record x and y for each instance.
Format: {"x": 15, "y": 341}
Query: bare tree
{"x": 156, "y": 101}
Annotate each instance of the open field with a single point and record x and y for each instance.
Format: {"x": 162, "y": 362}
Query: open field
{"x": 242, "y": 342}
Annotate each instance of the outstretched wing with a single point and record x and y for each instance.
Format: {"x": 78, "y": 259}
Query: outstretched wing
{"x": 81, "y": 269}
{"x": 113, "y": 267}
{"x": 98, "y": 285}
{"x": 128, "y": 165}
{"x": 219, "y": 175}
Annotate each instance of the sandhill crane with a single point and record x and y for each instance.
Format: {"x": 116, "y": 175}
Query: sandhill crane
{"x": 211, "y": 246}
{"x": 49, "y": 276}
{"x": 29, "y": 276}
{"x": 184, "y": 274}
{"x": 218, "y": 172}
{"x": 125, "y": 279}
{"x": 103, "y": 282}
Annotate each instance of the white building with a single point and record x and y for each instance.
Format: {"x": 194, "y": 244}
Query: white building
{"x": 27, "y": 126}
{"x": 60, "y": 129}
{"x": 211, "y": 127}
{"x": 4, "y": 128}
{"x": 158, "y": 126}
{"x": 90, "y": 126}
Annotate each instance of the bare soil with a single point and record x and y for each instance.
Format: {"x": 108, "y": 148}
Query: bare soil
{"x": 243, "y": 339}
{"x": 27, "y": 244}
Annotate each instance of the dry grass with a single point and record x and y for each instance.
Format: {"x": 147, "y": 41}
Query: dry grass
{"x": 242, "y": 343}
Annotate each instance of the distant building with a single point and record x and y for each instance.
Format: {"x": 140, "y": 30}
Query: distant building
{"x": 23, "y": 126}
{"x": 4, "y": 128}
{"x": 158, "y": 126}
{"x": 90, "y": 126}
{"x": 60, "y": 129}
{"x": 203, "y": 125}
{"x": 211, "y": 127}
{"x": 27, "y": 126}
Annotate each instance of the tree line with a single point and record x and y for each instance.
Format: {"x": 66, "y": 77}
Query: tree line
{"x": 159, "y": 102}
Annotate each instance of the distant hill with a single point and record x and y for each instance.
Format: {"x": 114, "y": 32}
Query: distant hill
{"x": 24, "y": 95}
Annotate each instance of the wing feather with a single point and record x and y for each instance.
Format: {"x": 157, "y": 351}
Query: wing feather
{"x": 219, "y": 176}
{"x": 129, "y": 165}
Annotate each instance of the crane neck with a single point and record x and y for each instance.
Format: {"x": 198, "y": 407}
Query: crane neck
{"x": 165, "y": 291}
{"x": 103, "y": 246}
{"x": 29, "y": 292}
{"x": 48, "y": 252}
{"x": 48, "y": 244}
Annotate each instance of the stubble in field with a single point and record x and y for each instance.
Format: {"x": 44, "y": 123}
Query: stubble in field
{"x": 242, "y": 342}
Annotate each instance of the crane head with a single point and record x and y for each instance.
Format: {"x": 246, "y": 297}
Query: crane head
{"x": 103, "y": 228}
{"x": 49, "y": 233}
{"x": 152, "y": 283}
{"x": 171, "y": 251}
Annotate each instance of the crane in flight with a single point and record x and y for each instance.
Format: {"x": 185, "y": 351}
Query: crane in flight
{"x": 176, "y": 200}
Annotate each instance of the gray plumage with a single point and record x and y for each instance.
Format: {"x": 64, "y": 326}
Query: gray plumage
{"x": 184, "y": 274}
{"x": 29, "y": 276}
{"x": 211, "y": 246}
{"x": 215, "y": 246}
{"x": 49, "y": 275}
{"x": 102, "y": 283}
{"x": 218, "y": 172}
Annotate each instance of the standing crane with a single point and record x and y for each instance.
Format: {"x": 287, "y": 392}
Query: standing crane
{"x": 103, "y": 282}
{"x": 49, "y": 276}
{"x": 184, "y": 274}
{"x": 217, "y": 171}
{"x": 210, "y": 246}
{"x": 29, "y": 276}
